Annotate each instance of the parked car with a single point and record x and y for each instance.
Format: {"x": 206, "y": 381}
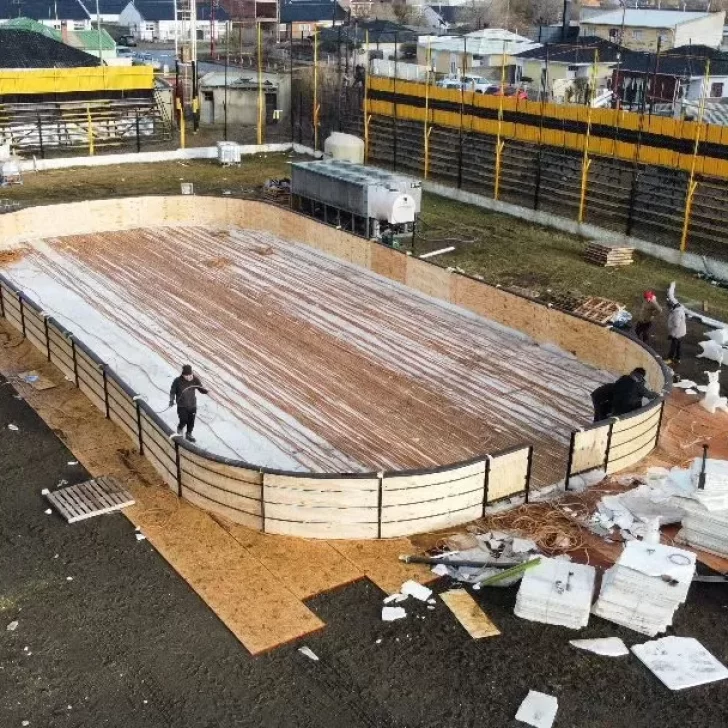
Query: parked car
{"x": 124, "y": 52}
{"x": 128, "y": 40}
{"x": 509, "y": 91}
{"x": 467, "y": 83}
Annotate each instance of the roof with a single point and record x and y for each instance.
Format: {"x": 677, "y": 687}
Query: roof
{"x": 43, "y": 9}
{"x": 582, "y": 50}
{"x": 380, "y": 31}
{"x": 645, "y": 18}
{"x": 82, "y": 39}
{"x": 106, "y": 7}
{"x": 155, "y": 10}
{"x": 487, "y": 42}
{"x": 684, "y": 62}
{"x": 293, "y": 11}
{"x": 24, "y": 49}
{"x": 236, "y": 79}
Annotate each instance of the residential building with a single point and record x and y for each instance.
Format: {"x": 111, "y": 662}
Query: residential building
{"x": 641, "y": 29}
{"x": 302, "y": 17}
{"x": 154, "y": 20}
{"x": 241, "y": 97}
{"x": 565, "y": 71}
{"x": 483, "y": 52}
{"x": 263, "y": 12}
{"x": 51, "y": 13}
{"x": 95, "y": 43}
{"x": 384, "y": 37}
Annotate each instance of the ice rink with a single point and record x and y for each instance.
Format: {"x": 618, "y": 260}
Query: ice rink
{"x": 312, "y": 363}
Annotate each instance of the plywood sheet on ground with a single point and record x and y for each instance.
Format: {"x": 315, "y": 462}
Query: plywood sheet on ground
{"x": 467, "y": 611}
{"x": 312, "y": 363}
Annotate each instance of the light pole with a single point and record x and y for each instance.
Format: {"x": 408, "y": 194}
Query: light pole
{"x": 619, "y": 54}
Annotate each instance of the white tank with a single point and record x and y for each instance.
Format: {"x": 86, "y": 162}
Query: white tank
{"x": 346, "y": 147}
{"x": 228, "y": 153}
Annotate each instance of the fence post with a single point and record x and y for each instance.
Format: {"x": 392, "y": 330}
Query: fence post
{"x": 486, "y": 482}
{"x": 75, "y": 359}
{"x": 262, "y": 501}
{"x": 139, "y": 427}
{"x": 179, "y": 468}
{"x": 380, "y": 499}
{"x": 498, "y": 160}
{"x": 106, "y": 391}
{"x": 2, "y": 303}
{"x": 22, "y": 312}
{"x": 40, "y": 138}
{"x": 692, "y": 187}
{"x": 138, "y": 135}
{"x": 609, "y": 442}
{"x": 659, "y": 424}
{"x": 47, "y": 336}
{"x": 570, "y": 459}
{"x": 90, "y": 131}
{"x": 529, "y": 468}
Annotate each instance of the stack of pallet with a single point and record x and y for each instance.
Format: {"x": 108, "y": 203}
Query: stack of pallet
{"x": 600, "y": 310}
{"x": 608, "y": 256}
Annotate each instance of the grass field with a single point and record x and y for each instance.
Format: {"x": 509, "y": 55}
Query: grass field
{"x": 500, "y": 248}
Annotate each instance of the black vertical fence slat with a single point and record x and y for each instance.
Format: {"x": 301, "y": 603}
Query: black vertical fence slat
{"x": 47, "y": 337}
{"x": 106, "y": 391}
{"x": 75, "y": 359}
{"x": 2, "y": 302}
{"x": 486, "y": 483}
{"x": 529, "y": 469}
{"x": 139, "y": 426}
{"x": 262, "y": 502}
{"x": 659, "y": 424}
{"x": 22, "y": 312}
{"x": 609, "y": 443}
{"x": 570, "y": 459}
{"x": 178, "y": 465}
{"x": 380, "y": 500}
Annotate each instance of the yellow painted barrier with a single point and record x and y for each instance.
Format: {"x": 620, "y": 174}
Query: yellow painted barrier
{"x": 70, "y": 80}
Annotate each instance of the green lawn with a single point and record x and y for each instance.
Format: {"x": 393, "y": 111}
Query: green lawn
{"x": 502, "y": 249}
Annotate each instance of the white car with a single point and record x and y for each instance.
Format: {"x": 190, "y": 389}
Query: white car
{"x": 467, "y": 83}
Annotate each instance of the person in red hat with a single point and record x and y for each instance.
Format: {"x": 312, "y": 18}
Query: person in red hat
{"x": 646, "y": 314}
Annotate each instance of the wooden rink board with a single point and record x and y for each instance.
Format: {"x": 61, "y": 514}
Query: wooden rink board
{"x": 468, "y": 612}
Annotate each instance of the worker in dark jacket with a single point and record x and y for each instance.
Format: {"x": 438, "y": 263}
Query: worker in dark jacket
{"x": 184, "y": 394}
{"x": 629, "y": 391}
{"x": 602, "y": 401}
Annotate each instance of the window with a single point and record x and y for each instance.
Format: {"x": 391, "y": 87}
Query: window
{"x": 453, "y": 64}
{"x": 149, "y": 27}
{"x": 636, "y": 34}
{"x": 78, "y": 25}
{"x": 613, "y": 34}
{"x": 716, "y": 90}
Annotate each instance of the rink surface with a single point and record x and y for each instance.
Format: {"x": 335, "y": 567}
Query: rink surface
{"x": 312, "y": 363}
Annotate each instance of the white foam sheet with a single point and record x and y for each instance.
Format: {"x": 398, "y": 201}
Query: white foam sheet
{"x": 658, "y": 560}
{"x": 390, "y": 614}
{"x": 538, "y": 709}
{"x": 413, "y": 589}
{"x": 604, "y": 646}
{"x": 680, "y": 662}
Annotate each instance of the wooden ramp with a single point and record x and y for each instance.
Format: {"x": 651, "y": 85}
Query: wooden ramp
{"x": 90, "y": 498}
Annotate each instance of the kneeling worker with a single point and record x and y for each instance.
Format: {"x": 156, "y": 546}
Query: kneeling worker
{"x": 629, "y": 391}
{"x": 184, "y": 393}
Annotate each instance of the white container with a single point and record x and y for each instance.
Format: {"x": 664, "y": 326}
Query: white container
{"x": 10, "y": 173}
{"x": 346, "y": 147}
{"x": 228, "y": 153}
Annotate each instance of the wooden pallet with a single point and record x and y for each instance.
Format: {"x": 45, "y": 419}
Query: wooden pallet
{"x": 90, "y": 498}
{"x": 599, "y": 310}
{"x": 608, "y": 256}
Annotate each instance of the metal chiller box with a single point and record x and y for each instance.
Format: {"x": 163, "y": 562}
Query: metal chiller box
{"x": 355, "y": 197}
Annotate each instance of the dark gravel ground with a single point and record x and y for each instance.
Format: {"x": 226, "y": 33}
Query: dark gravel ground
{"x": 127, "y": 644}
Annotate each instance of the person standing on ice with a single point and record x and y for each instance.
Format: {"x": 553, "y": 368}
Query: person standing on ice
{"x": 184, "y": 394}
{"x": 677, "y": 326}
{"x": 649, "y": 308}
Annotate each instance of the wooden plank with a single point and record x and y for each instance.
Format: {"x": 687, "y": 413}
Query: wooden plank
{"x": 36, "y": 380}
{"x": 452, "y": 504}
{"x": 467, "y": 611}
{"x": 334, "y": 485}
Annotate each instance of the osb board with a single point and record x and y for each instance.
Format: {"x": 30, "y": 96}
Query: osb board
{"x": 306, "y": 567}
{"x": 379, "y": 561}
{"x": 590, "y": 448}
{"x": 467, "y": 611}
{"x": 388, "y": 263}
{"x": 428, "y": 278}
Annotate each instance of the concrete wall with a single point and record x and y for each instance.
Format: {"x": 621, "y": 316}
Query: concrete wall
{"x": 345, "y": 505}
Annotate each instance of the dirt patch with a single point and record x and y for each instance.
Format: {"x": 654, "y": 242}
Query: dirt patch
{"x": 8, "y": 257}
{"x": 217, "y": 263}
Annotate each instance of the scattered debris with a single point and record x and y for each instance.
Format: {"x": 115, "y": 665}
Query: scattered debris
{"x": 605, "y": 646}
{"x": 13, "y": 427}
{"x": 467, "y": 611}
{"x": 413, "y": 589}
{"x": 308, "y": 652}
{"x": 712, "y": 400}
{"x": 48, "y": 511}
{"x": 140, "y": 536}
{"x": 12, "y": 626}
{"x": 378, "y": 642}
{"x": 680, "y": 662}
{"x": 390, "y": 614}
{"x": 36, "y": 380}
{"x": 713, "y": 351}
{"x": 645, "y": 587}
{"x": 396, "y": 598}
{"x": 685, "y": 384}
{"x": 69, "y": 578}
{"x": 557, "y": 592}
{"x": 538, "y": 709}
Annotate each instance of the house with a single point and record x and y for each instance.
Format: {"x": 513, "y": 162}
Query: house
{"x": 241, "y": 97}
{"x": 154, "y": 20}
{"x": 263, "y": 12}
{"x": 52, "y": 13}
{"x": 564, "y": 71}
{"x": 95, "y": 43}
{"x": 109, "y": 10}
{"x": 302, "y": 17}
{"x": 483, "y": 51}
{"x": 640, "y": 29}
{"x": 384, "y": 37}
{"x": 676, "y": 78}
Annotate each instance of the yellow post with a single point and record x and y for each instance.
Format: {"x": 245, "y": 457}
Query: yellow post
{"x": 426, "y": 144}
{"x": 315, "y": 90}
{"x": 586, "y": 162}
{"x": 367, "y": 115}
{"x": 499, "y": 143}
{"x": 692, "y": 184}
{"x": 90, "y": 132}
{"x": 261, "y": 99}
{"x": 181, "y": 124}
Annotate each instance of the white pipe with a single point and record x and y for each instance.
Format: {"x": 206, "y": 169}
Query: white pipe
{"x": 436, "y": 252}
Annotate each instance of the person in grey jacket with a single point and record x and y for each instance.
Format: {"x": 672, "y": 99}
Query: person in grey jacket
{"x": 184, "y": 393}
{"x": 676, "y": 326}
